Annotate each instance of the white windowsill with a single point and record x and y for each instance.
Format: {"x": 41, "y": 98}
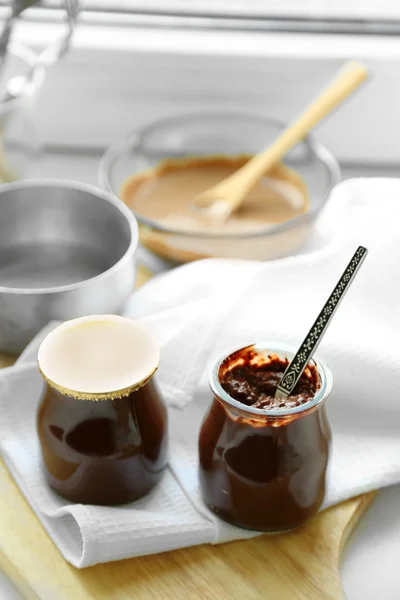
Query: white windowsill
{"x": 120, "y": 76}
{"x": 129, "y": 33}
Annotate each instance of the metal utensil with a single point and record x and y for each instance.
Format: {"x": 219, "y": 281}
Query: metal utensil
{"x": 49, "y": 56}
{"x": 18, "y": 6}
{"x": 300, "y": 360}
{"x": 66, "y": 250}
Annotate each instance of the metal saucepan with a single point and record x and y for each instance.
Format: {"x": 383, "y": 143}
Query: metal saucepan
{"x": 66, "y": 250}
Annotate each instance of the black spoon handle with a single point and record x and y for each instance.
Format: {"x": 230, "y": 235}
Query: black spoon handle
{"x": 300, "y": 360}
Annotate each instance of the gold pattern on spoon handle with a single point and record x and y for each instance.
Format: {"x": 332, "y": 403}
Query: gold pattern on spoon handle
{"x": 300, "y": 360}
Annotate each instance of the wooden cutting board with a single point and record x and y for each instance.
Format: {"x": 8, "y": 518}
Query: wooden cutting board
{"x": 298, "y": 565}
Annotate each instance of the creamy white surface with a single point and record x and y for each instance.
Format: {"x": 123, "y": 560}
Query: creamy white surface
{"x": 98, "y": 354}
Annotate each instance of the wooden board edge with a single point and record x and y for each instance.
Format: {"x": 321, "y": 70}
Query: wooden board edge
{"x": 365, "y": 501}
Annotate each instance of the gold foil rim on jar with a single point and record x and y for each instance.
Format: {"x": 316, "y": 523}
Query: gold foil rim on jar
{"x": 98, "y": 396}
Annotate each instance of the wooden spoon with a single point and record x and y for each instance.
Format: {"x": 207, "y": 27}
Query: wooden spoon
{"x": 221, "y": 200}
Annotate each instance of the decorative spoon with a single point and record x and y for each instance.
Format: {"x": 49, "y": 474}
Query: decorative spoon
{"x": 221, "y": 200}
{"x": 299, "y": 362}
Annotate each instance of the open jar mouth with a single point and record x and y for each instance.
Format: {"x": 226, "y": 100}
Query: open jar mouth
{"x": 283, "y": 351}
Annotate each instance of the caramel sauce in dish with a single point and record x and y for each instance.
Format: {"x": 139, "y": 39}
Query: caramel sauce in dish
{"x": 163, "y": 195}
{"x": 102, "y": 424}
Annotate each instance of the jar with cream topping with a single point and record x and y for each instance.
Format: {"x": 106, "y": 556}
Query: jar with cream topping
{"x": 263, "y": 460}
{"x": 102, "y": 423}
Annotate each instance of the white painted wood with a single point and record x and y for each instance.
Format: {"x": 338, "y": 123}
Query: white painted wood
{"x": 118, "y": 78}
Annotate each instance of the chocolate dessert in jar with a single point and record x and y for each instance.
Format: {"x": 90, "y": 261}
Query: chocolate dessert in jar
{"x": 102, "y": 423}
{"x": 263, "y": 459}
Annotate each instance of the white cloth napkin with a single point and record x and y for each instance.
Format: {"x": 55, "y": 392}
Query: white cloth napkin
{"x": 200, "y": 309}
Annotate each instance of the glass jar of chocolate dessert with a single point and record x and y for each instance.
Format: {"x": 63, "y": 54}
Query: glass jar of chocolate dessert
{"x": 102, "y": 424}
{"x": 263, "y": 459}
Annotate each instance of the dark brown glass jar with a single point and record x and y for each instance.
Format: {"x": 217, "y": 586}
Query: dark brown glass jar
{"x": 265, "y": 469}
{"x": 103, "y": 449}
